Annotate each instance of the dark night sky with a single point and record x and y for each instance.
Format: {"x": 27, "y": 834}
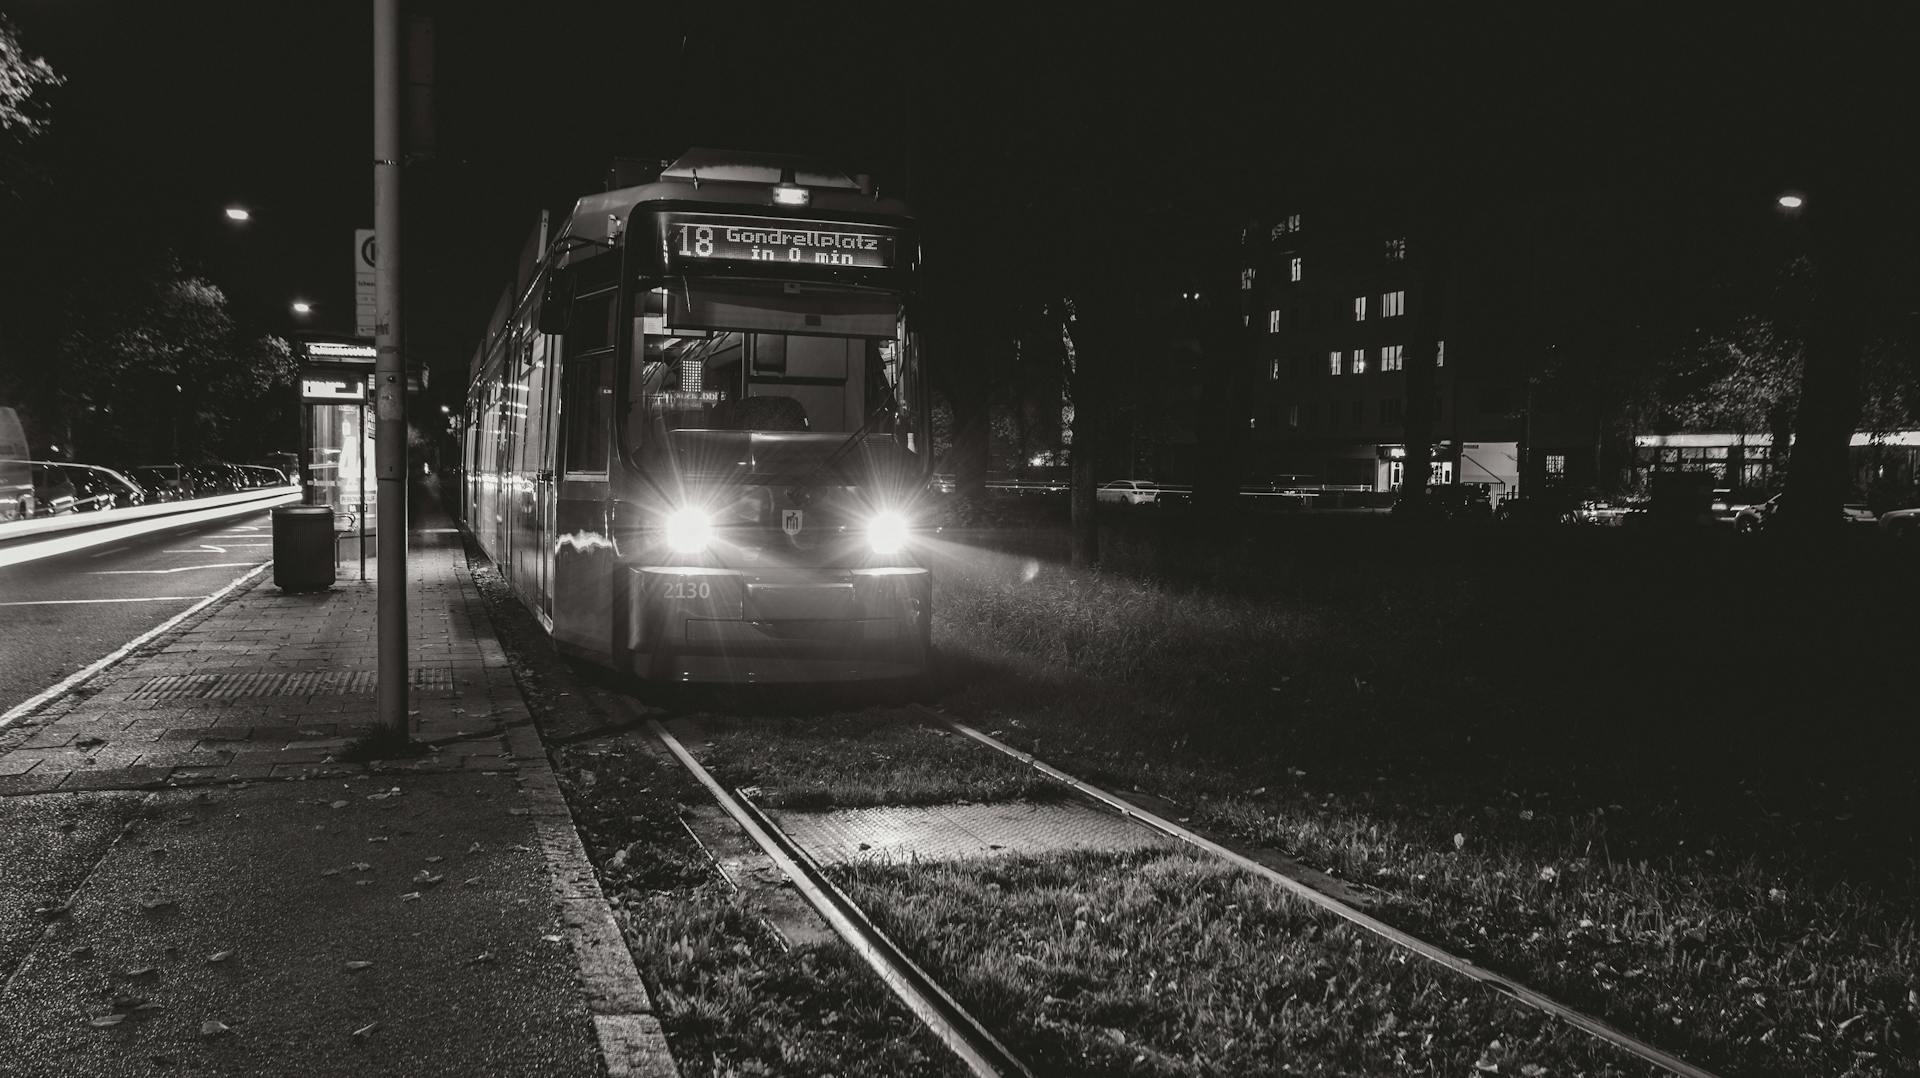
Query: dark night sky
{"x": 172, "y": 110}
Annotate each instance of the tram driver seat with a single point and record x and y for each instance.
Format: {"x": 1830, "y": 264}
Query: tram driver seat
{"x": 761, "y": 413}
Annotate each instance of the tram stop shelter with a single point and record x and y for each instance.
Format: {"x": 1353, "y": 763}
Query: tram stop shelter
{"x": 336, "y": 438}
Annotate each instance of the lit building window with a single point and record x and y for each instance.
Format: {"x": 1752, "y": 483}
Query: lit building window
{"x": 1359, "y": 361}
{"x": 1439, "y": 353}
{"x": 1273, "y": 370}
{"x": 1293, "y": 268}
{"x": 1393, "y": 304}
{"x": 1391, "y": 358}
{"x": 1285, "y": 226}
{"x": 1556, "y": 465}
{"x": 1250, "y": 422}
{"x": 1293, "y": 415}
{"x": 1397, "y": 250}
{"x": 1246, "y": 280}
{"x": 1273, "y": 321}
{"x": 1359, "y": 308}
{"x": 1333, "y": 363}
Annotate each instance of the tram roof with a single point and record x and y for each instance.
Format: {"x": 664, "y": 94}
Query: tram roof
{"x": 739, "y": 177}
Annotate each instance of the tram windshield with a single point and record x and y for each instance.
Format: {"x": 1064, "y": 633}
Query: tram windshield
{"x": 750, "y": 380}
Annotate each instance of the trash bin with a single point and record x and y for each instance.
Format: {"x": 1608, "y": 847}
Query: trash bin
{"x": 303, "y": 547}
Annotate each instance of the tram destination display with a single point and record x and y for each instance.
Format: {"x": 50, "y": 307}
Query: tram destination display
{"x": 692, "y": 238}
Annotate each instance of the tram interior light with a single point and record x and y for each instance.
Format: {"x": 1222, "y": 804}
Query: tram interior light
{"x": 790, "y": 194}
{"x": 887, "y": 532}
{"x": 689, "y": 530}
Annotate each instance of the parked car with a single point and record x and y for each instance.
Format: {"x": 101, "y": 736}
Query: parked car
{"x": 1129, "y": 492}
{"x": 1455, "y": 501}
{"x": 102, "y": 488}
{"x": 1550, "y": 507}
{"x": 1901, "y": 525}
{"x": 216, "y": 478}
{"x": 16, "y": 475}
{"x": 53, "y": 492}
{"x": 1755, "y": 518}
{"x": 165, "y": 482}
{"x": 1729, "y": 503}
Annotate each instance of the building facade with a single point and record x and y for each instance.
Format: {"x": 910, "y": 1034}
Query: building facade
{"x": 1335, "y": 305}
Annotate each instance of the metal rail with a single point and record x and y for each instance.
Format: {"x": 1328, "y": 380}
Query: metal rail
{"x": 982, "y": 1053}
{"x": 1578, "y": 1019}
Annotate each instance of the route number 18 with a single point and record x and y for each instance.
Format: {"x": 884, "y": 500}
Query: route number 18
{"x": 696, "y": 241}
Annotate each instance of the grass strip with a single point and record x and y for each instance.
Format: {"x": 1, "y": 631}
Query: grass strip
{"x": 1749, "y": 920}
{"x": 733, "y": 999}
{"x": 1168, "y": 963}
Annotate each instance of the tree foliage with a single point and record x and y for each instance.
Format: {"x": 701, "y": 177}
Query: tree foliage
{"x": 160, "y": 369}
{"x": 24, "y": 78}
{"x": 1744, "y": 378}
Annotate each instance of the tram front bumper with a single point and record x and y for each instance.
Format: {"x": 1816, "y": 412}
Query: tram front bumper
{"x": 701, "y": 624}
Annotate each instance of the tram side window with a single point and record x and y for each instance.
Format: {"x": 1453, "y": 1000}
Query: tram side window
{"x": 587, "y": 409}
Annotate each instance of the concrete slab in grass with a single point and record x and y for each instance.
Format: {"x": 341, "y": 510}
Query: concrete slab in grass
{"x": 955, "y": 832}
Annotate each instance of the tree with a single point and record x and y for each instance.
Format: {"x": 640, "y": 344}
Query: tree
{"x": 1744, "y": 379}
{"x": 23, "y": 82}
{"x": 158, "y": 369}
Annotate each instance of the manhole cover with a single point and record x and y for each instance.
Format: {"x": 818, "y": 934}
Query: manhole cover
{"x": 956, "y": 832}
{"x": 301, "y": 683}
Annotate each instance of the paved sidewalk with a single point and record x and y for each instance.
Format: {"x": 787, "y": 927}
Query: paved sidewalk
{"x": 198, "y": 882}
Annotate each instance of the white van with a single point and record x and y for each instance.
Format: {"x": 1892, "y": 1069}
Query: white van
{"x": 16, "y": 475}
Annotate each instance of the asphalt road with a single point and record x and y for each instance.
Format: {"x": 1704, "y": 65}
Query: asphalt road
{"x": 58, "y": 614}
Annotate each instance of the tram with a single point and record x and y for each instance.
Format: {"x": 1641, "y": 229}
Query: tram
{"x": 696, "y": 433}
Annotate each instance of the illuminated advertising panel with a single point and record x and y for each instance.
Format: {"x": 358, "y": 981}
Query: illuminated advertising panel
{"x": 689, "y": 240}
{"x": 343, "y": 388}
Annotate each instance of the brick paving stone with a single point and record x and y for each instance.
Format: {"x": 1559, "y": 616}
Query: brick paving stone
{"x": 117, "y": 778}
{"x": 40, "y": 780}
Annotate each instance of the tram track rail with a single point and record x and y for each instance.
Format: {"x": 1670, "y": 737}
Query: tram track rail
{"x": 1579, "y": 1019}
{"x": 977, "y": 1048}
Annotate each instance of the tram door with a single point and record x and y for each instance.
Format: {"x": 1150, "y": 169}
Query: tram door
{"x": 543, "y": 402}
{"x": 532, "y": 488}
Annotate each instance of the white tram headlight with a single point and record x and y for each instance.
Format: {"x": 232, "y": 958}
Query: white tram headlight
{"x": 887, "y": 532}
{"x": 689, "y": 530}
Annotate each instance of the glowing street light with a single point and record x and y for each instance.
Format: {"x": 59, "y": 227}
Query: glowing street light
{"x": 302, "y": 307}
{"x": 239, "y": 214}
{"x": 1791, "y": 201}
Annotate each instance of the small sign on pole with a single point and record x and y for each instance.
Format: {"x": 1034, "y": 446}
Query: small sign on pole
{"x": 363, "y": 282}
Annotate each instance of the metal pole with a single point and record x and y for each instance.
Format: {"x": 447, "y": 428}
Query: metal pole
{"x": 390, "y": 431}
{"x": 360, "y": 498}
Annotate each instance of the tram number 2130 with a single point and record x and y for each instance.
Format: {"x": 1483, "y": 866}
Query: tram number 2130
{"x": 687, "y": 589}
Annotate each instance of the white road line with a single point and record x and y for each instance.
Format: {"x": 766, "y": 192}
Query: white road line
{"x": 27, "y": 707}
{"x": 203, "y": 548}
{"x": 110, "y": 550}
{"x": 82, "y": 602}
{"x": 161, "y": 572}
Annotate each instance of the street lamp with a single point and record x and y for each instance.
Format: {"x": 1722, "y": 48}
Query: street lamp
{"x": 302, "y": 307}
{"x": 1791, "y": 201}
{"x": 239, "y": 214}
